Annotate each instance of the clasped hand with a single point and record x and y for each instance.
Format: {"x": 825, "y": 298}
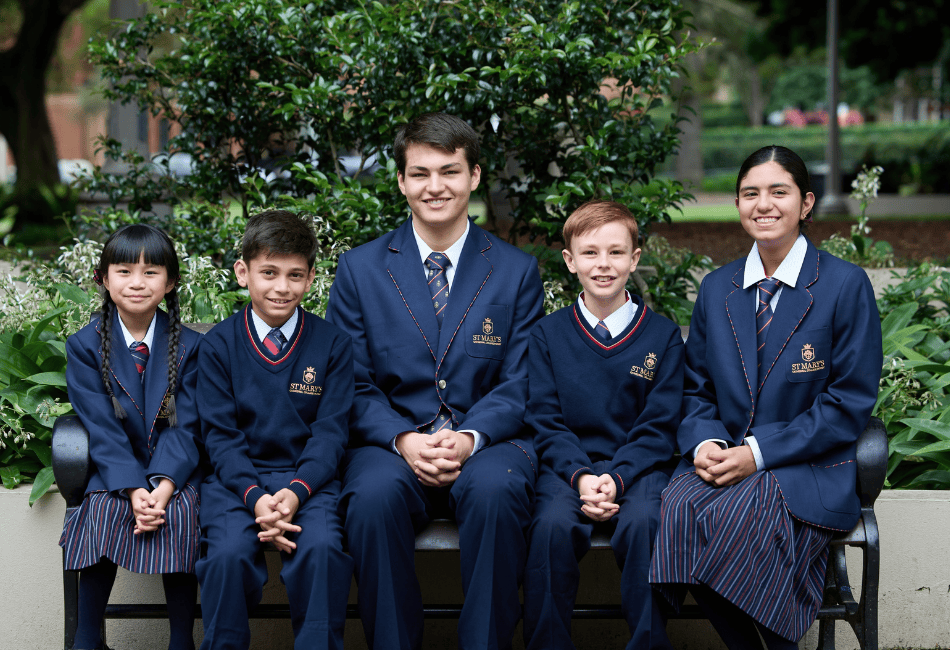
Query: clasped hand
{"x": 724, "y": 467}
{"x": 275, "y": 515}
{"x": 599, "y": 494}
{"x": 148, "y": 508}
{"x": 437, "y": 458}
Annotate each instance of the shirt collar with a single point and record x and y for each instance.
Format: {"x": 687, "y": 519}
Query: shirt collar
{"x": 617, "y": 321}
{"x": 147, "y": 340}
{"x": 453, "y": 252}
{"x": 263, "y": 329}
{"x": 788, "y": 270}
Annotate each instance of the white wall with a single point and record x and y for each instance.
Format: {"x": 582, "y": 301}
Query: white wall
{"x": 914, "y": 602}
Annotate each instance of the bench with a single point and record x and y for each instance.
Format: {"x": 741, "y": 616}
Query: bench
{"x": 71, "y": 468}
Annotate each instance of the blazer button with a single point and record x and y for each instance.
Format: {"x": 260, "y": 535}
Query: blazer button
{"x": 441, "y": 383}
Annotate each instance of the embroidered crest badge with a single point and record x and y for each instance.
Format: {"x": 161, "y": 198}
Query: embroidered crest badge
{"x": 487, "y": 326}
{"x": 808, "y": 352}
{"x": 650, "y": 361}
{"x": 309, "y": 375}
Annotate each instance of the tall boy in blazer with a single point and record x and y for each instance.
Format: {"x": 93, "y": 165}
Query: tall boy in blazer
{"x": 439, "y": 312}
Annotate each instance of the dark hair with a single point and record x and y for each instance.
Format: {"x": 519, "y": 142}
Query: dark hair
{"x": 279, "y": 232}
{"x": 439, "y": 130}
{"x": 593, "y": 215}
{"x": 787, "y": 159}
{"x": 127, "y": 245}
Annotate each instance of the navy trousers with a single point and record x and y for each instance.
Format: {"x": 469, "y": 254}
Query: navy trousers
{"x": 232, "y": 569}
{"x": 385, "y": 506}
{"x": 560, "y": 536}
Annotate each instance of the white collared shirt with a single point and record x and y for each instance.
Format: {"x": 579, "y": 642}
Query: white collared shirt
{"x": 787, "y": 273}
{"x": 617, "y": 321}
{"x": 147, "y": 339}
{"x": 263, "y": 329}
{"x": 454, "y": 253}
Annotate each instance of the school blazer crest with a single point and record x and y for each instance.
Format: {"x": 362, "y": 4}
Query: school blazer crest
{"x": 406, "y": 368}
{"x": 813, "y": 395}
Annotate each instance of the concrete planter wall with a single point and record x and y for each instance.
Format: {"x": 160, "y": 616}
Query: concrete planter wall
{"x": 914, "y": 602}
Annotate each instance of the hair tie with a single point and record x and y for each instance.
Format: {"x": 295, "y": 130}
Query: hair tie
{"x": 97, "y": 276}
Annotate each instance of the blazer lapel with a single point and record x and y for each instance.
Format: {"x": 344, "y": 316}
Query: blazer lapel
{"x": 124, "y": 370}
{"x": 740, "y": 310}
{"x": 793, "y": 304}
{"x": 471, "y": 274}
{"x": 408, "y": 275}
{"x": 155, "y": 385}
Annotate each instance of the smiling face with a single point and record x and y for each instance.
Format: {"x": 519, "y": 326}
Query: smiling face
{"x": 603, "y": 259}
{"x": 137, "y": 288}
{"x": 437, "y": 186}
{"x": 771, "y": 208}
{"x": 276, "y": 283}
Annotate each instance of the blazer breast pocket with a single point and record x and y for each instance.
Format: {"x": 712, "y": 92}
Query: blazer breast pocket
{"x": 486, "y": 332}
{"x": 809, "y": 355}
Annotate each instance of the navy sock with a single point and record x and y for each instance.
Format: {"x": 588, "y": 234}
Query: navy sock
{"x": 95, "y": 585}
{"x": 736, "y": 628}
{"x": 181, "y": 594}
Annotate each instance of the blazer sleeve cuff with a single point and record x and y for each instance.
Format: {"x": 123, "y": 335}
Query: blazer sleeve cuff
{"x": 301, "y": 489}
{"x": 251, "y": 496}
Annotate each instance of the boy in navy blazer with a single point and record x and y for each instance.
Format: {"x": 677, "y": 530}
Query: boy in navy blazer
{"x": 275, "y": 386}
{"x": 439, "y": 311}
{"x": 605, "y": 382}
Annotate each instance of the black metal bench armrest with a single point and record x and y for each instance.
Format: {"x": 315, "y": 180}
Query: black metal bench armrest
{"x": 872, "y": 462}
{"x": 71, "y": 466}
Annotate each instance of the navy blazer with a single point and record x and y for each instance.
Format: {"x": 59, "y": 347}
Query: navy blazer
{"x": 405, "y": 368}
{"x": 126, "y": 452}
{"x": 818, "y": 385}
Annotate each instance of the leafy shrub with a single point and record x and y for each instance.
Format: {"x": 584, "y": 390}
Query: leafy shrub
{"x": 859, "y": 248}
{"x": 913, "y": 402}
{"x": 271, "y": 98}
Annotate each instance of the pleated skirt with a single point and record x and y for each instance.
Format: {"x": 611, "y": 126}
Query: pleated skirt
{"x": 742, "y": 542}
{"x": 103, "y": 527}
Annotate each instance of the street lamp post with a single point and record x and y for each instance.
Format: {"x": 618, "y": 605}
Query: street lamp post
{"x": 833, "y": 201}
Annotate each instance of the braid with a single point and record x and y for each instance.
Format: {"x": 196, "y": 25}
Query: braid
{"x": 106, "y": 340}
{"x": 174, "y": 334}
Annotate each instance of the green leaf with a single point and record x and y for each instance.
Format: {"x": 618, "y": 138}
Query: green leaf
{"x": 11, "y": 476}
{"x": 938, "y": 429}
{"x": 48, "y": 379}
{"x": 42, "y": 450}
{"x": 41, "y": 484}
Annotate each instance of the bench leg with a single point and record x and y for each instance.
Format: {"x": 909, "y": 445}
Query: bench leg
{"x": 869, "y": 584}
{"x": 71, "y": 605}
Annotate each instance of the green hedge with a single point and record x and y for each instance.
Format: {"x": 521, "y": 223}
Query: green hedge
{"x": 727, "y": 147}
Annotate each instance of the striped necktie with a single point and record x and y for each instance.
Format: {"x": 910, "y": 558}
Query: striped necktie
{"x": 436, "y": 266}
{"x": 601, "y": 331}
{"x": 140, "y": 356}
{"x": 275, "y": 341}
{"x": 763, "y": 314}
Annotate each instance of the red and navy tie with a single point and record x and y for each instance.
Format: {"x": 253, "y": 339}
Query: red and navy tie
{"x": 601, "y": 331}
{"x": 436, "y": 265}
{"x": 275, "y": 341}
{"x": 763, "y": 314}
{"x": 140, "y": 356}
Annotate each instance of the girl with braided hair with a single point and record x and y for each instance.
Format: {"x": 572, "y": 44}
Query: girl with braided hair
{"x": 131, "y": 377}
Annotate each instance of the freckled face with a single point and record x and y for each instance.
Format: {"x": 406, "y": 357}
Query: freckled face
{"x": 437, "y": 186}
{"x": 771, "y": 207}
{"x": 603, "y": 260}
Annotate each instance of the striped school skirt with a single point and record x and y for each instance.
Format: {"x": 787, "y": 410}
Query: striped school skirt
{"x": 742, "y": 542}
{"x": 102, "y": 527}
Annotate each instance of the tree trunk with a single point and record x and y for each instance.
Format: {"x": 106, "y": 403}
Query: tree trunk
{"x": 689, "y": 161}
{"x": 23, "y": 119}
